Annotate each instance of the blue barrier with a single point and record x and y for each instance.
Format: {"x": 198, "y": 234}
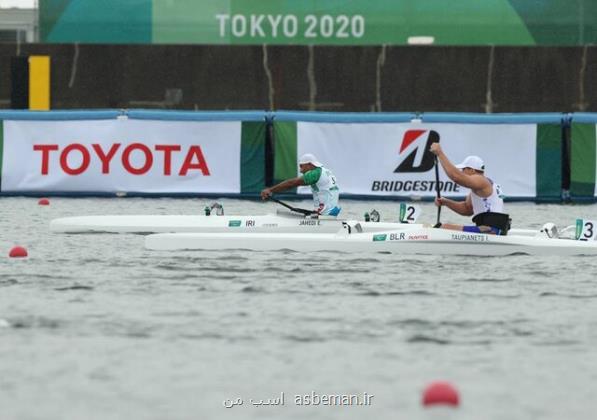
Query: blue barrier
{"x": 108, "y": 114}
{"x": 472, "y": 118}
{"x": 307, "y": 116}
{"x": 342, "y": 117}
{"x": 142, "y": 114}
{"x": 561, "y": 119}
{"x": 583, "y": 117}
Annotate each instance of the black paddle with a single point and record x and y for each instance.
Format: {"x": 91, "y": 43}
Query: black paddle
{"x": 435, "y": 139}
{"x": 437, "y": 191}
{"x": 295, "y": 209}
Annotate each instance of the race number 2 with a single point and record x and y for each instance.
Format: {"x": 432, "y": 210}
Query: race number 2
{"x": 409, "y": 213}
{"x": 586, "y": 230}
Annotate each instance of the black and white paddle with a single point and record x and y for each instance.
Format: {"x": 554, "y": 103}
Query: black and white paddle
{"x": 294, "y": 209}
{"x": 437, "y": 189}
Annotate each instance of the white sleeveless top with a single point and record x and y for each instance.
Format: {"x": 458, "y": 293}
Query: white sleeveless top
{"x": 325, "y": 190}
{"x": 493, "y": 203}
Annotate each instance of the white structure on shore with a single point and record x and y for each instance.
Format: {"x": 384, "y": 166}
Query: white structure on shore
{"x": 18, "y": 20}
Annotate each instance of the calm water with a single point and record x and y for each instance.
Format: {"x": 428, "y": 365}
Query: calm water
{"x": 96, "y": 327}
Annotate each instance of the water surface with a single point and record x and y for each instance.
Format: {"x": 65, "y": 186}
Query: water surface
{"x": 96, "y": 327}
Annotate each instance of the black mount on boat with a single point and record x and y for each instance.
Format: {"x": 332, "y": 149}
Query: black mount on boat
{"x": 219, "y": 208}
{"x": 372, "y": 216}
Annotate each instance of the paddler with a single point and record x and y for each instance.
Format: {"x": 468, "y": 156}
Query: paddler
{"x": 321, "y": 180}
{"x": 484, "y": 202}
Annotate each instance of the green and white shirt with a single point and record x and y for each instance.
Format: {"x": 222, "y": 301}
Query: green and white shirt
{"x": 325, "y": 190}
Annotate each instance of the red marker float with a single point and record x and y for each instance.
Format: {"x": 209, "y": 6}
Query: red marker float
{"x": 43, "y": 202}
{"x": 18, "y": 252}
{"x": 440, "y": 393}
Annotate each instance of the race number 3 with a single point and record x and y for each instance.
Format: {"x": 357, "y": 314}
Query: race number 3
{"x": 586, "y": 230}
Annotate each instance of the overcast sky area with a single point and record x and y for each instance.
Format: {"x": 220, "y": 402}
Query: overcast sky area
{"x": 26, "y": 4}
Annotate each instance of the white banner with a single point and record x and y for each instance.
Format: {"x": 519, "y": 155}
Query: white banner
{"x": 394, "y": 158}
{"x": 122, "y": 155}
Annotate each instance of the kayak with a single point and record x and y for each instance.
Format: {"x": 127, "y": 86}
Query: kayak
{"x": 281, "y": 222}
{"x": 411, "y": 239}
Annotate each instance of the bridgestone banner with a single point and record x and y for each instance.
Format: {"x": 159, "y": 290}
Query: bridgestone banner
{"x": 393, "y": 159}
{"x": 125, "y": 155}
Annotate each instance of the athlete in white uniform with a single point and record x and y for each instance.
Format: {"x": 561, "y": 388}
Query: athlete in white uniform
{"x": 321, "y": 180}
{"x": 484, "y": 202}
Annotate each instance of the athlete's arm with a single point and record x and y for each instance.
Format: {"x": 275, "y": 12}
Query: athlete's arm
{"x": 282, "y": 186}
{"x": 477, "y": 183}
{"x": 464, "y": 208}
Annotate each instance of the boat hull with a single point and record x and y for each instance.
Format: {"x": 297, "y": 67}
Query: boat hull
{"x": 217, "y": 224}
{"x": 416, "y": 240}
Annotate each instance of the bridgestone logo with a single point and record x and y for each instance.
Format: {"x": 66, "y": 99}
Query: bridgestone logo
{"x": 414, "y": 186}
{"x": 414, "y": 151}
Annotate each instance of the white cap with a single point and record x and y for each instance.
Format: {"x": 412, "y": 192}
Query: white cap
{"x": 474, "y": 162}
{"x": 309, "y": 158}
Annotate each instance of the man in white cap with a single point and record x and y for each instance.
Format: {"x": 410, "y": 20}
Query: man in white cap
{"x": 321, "y": 180}
{"x": 484, "y": 202}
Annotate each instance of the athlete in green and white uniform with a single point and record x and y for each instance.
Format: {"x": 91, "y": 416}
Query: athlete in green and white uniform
{"x": 325, "y": 190}
{"x": 322, "y": 182}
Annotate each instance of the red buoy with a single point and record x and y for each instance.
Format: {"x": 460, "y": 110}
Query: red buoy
{"x": 17, "y": 252}
{"x": 440, "y": 392}
{"x": 43, "y": 202}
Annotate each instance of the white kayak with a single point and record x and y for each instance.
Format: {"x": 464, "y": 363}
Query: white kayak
{"x": 412, "y": 239}
{"x": 282, "y": 222}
